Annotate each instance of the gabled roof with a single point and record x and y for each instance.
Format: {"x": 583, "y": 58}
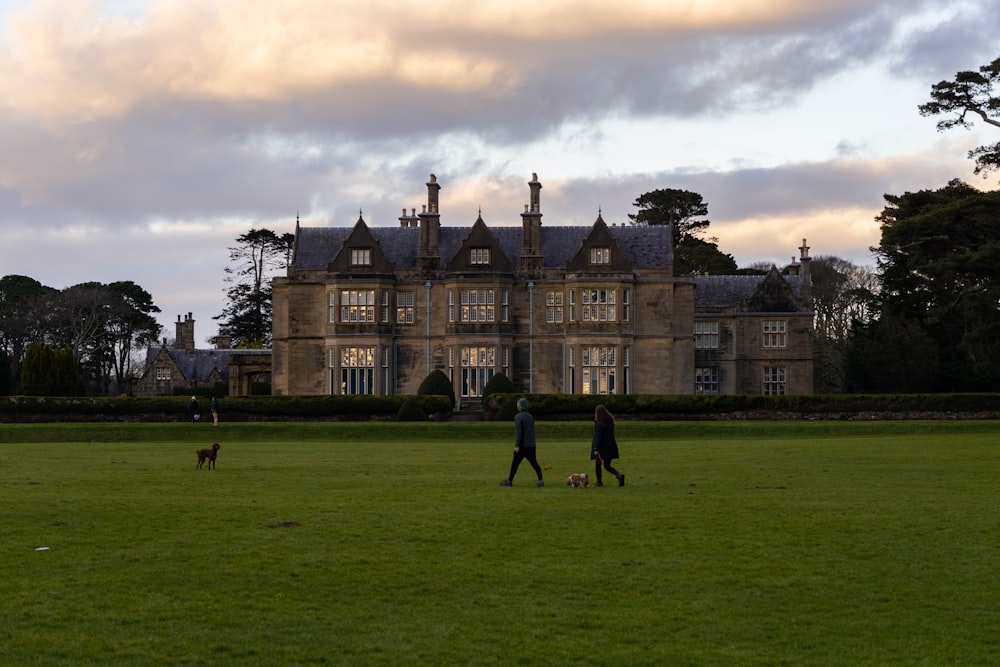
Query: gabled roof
{"x": 600, "y": 236}
{"x": 645, "y": 247}
{"x": 480, "y": 236}
{"x": 728, "y": 291}
{"x": 361, "y": 237}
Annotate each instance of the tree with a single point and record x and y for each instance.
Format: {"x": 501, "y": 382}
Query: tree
{"x": 247, "y": 316}
{"x": 698, "y": 256}
{"x": 48, "y": 371}
{"x": 22, "y": 318}
{"x": 130, "y": 326}
{"x": 843, "y": 296}
{"x": 6, "y": 379}
{"x": 971, "y": 93}
{"x": 939, "y": 268}
{"x": 684, "y": 211}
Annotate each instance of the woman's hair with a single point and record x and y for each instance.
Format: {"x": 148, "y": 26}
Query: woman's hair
{"x": 602, "y": 415}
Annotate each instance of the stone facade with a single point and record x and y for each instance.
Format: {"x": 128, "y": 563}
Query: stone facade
{"x": 558, "y": 309}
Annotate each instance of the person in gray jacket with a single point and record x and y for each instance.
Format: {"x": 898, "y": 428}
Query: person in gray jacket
{"x": 524, "y": 443}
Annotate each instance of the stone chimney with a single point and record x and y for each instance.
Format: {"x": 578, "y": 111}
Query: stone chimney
{"x": 806, "y": 275}
{"x": 223, "y": 342}
{"x": 185, "y": 334}
{"x": 531, "y": 228}
{"x": 410, "y": 220}
{"x": 428, "y": 256}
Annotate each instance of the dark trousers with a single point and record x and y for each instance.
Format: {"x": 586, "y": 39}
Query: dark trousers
{"x": 607, "y": 466}
{"x": 521, "y": 454}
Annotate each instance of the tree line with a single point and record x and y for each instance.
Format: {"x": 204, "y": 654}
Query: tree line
{"x": 88, "y": 339}
{"x": 74, "y": 341}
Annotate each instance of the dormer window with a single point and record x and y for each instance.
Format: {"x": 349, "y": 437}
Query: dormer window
{"x": 479, "y": 256}
{"x": 600, "y": 255}
{"x": 361, "y": 256}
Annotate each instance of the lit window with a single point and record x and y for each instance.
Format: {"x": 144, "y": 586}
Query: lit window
{"x": 361, "y": 257}
{"x": 598, "y": 305}
{"x": 477, "y": 369}
{"x": 600, "y": 255}
{"x": 404, "y": 307}
{"x": 598, "y": 362}
{"x": 477, "y": 305}
{"x": 357, "y": 305}
{"x": 357, "y": 370}
{"x": 479, "y": 256}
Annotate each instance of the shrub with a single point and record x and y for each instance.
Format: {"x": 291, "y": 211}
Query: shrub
{"x": 498, "y": 383}
{"x": 410, "y": 411}
{"x": 47, "y": 371}
{"x": 437, "y": 384}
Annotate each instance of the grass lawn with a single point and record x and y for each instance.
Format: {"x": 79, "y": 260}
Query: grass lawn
{"x": 743, "y": 543}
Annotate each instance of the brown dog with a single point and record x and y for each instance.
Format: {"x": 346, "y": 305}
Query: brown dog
{"x": 579, "y": 479}
{"x": 207, "y": 455}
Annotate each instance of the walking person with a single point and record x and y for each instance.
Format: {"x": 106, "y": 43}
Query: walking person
{"x": 603, "y": 446}
{"x": 524, "y": 443}
{"x": 215, "y": 411}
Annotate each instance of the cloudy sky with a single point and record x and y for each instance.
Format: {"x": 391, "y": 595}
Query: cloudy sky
{"x": 139, "y": 138}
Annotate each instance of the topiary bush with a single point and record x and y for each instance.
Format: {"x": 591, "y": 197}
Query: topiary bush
{"x": 410, "y": 411}
{"x": 437, "y": 384}
{"x": 498, "y": 383}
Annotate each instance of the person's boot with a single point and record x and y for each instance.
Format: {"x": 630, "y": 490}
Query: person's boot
{"x": 621, "y": 479}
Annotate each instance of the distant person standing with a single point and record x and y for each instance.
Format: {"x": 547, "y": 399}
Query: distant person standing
{"x": 603, "y": 446}
{"x": 215, "y": 411}
{"x": 524, "y": 443}
{"x": 194, "y": 414}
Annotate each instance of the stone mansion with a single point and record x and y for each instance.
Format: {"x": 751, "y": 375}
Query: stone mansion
{"x": 558, "y": 309}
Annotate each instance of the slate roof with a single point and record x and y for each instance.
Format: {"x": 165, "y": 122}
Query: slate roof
{"x": 646, "y": 247}
{"x": 198, "y": 367}
{"x": 728, "y": 291}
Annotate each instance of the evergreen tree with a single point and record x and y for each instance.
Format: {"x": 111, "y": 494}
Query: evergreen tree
{"x": 684, "y": 211}
{"x": 248, "y": 314}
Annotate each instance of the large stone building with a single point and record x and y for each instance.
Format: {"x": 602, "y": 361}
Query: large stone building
{"x": 558, "y": 309}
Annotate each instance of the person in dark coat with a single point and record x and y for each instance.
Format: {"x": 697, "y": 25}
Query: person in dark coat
{"x": 194, "y": 414}
{"x": 603, "y": 446}
{"x": 524, "y": 443}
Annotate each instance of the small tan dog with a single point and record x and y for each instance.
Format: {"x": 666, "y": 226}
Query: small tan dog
{"x": 579, "y": 479}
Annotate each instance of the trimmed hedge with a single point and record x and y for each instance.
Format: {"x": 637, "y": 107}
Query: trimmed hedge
{"x": 745, "y": 406}
{"x": 249, "y": 408}
{"x": 545, "y": 406}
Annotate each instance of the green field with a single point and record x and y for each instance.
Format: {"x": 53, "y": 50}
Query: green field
{"x": 748, "y": 543}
